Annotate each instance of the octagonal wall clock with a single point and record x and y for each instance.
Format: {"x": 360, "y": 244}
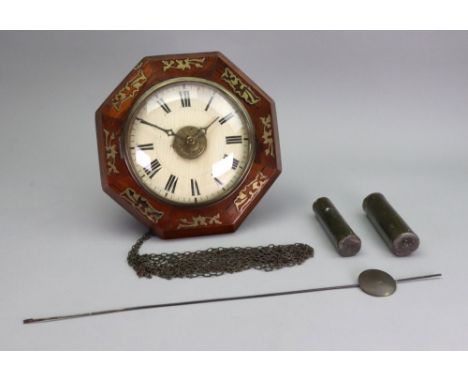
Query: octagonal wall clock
{"x": 188, "y": 144}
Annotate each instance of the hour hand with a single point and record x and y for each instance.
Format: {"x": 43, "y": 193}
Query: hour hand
{"x": 169, "y": 132}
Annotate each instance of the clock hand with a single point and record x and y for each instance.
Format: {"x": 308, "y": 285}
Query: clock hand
{"x": 204, "y": 129}
{"x": 213, "y": 121}
{"x": 169, "y": 132}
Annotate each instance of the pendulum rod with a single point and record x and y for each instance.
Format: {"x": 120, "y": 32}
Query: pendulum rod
{"x": 205, "y": 301}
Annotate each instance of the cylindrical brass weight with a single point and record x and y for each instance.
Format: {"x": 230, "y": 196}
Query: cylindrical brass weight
{"x": 346, "y": 242}
{"x": 398, "y": 236}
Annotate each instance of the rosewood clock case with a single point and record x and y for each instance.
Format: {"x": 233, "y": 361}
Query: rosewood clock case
{"x": 167, "y": 220}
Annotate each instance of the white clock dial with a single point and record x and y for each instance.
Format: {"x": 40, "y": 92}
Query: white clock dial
{"x": 189, "y": 141}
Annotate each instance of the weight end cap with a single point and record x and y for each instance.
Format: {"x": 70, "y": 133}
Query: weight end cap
{"x": 405, "y": 244}
{"x": 349, "y": 246}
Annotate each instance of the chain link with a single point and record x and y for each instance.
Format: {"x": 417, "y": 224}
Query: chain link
{"x": 215, "y": 261}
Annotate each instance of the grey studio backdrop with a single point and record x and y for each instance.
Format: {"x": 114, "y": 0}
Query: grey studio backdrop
{"x": 358, "y": 112}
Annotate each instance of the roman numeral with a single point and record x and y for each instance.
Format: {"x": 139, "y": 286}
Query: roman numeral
{"x": 164, "y": 106}
{"x": 218, "y": 182}
{"x": 146, "y": 146}
{"x": 226, "y": 118}
{"x": 209, "y": 102}
{"x": 185, "y": 98}
{"x": 153, "y": 168}
{"x": 235, "y": 162}
{"x": 171, "y": 183}
{"x": 233, "y": 139}
{"x": 195, "y": 189}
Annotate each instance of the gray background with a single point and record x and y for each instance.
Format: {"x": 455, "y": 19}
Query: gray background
{"x": 358, "y": 112}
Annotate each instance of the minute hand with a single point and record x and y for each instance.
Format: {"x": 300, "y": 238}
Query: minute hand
{"x": 203, "y": 129}
{"x": 169, "y": 132}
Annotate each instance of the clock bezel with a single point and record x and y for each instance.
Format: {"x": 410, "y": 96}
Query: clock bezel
{"x": 125, "y": 149}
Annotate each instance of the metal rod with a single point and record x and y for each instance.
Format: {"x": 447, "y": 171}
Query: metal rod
{"x": 419, "y": 277}
{"x": 193, "y": 302}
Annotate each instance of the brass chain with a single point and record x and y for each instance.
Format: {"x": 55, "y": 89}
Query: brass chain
{"x": 215, "y": 261}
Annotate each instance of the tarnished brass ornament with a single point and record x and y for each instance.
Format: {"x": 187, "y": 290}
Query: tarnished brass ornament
{"x": 190, "y": 142}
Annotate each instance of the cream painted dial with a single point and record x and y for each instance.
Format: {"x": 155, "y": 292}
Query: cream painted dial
{"x": 189, "y": 141}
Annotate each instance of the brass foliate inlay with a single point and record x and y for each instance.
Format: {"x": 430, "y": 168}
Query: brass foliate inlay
{"x": 111, "y": 152}
{"x": 129, "y": 90}
{"x": 267, "y": 136}
{"x": 241, "y": 89}
{"x": 183, "y": 64}
{"x": 246, "y": 195}
{"x": 142, "y": 205}
{"x": 197, "y": 221}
